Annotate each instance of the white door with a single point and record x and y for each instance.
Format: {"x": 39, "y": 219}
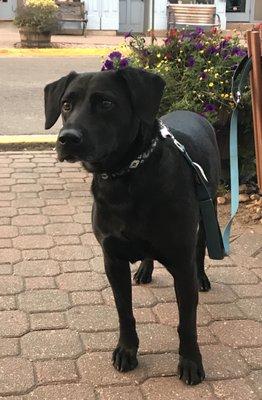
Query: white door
{"x": 238, "y": 10}
{"x": 93, "y": 14}
{"x": 110, "y": 15}
{"x": 131, "y": 15}
{"x": 102, "y": 14}
{"x": 160, "y": 14}
{"x": 7, "y": 9}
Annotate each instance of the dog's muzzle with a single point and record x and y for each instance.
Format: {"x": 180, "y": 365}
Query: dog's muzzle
{"x": 70, "y": 137}
{"x": 68, "y": 145}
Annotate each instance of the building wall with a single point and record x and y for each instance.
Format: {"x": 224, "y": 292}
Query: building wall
{"x": 258, "y": 10}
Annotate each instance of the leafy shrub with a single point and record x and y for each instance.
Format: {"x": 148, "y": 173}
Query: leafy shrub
{"x": 37, "y": 15}
{"x": 197, "y": 66}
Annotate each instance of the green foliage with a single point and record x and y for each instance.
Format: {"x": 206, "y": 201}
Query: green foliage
{"x": 37, "y": 15}
{"x": 197, "y": 67}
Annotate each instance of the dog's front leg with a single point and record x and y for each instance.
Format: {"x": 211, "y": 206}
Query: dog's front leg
{"x": 119, "y": 275}
{"x": 190, "y": 366}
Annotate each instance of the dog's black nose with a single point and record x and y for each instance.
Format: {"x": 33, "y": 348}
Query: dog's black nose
{"x": 70, "y": 137}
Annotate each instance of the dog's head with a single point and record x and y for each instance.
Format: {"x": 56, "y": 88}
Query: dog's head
{"x": 102, "y": 113}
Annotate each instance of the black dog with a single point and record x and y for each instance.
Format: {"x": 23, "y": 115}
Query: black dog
{"x": 145, "y": 205}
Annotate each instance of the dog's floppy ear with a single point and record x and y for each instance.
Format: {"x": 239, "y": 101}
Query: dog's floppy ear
{"x": 53, "y": 94}
{"x": 146, "y": 90}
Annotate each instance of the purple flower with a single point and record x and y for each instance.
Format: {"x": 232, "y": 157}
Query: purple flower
{"x": 199, "y": 46}
{"x": 128, "y": 34}
{"x": 209, "y": 107}
{"x": 237, "y": 51}
{"x": 115, "y": 54}
{"x": 203, "y": 75}
{"x": 108, "y": 65}
{"x": 224, "y": 43}
{"x": 190, "y": 62}
{"x": 123, "y": 63}
{"x": 211, "y": 50}
{"x": 199, "y": 30}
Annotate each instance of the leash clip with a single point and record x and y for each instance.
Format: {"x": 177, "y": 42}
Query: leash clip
{"x": 238, "y": 97}
{"x": 164, "y": 131}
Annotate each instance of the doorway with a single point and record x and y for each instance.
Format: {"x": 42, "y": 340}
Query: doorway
{"x": 131, "y": 15}
{"x": 7, "y": 9}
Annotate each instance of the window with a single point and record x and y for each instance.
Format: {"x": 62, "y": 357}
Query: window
{"x": 236, "y": 6}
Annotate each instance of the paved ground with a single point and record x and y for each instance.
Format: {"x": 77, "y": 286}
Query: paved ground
{"x": 58, "y": 324}
{"x": 9, "y": 36}
{"x": 22, "y": 82}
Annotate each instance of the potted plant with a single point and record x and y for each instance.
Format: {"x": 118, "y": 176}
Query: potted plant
{"x": 36, "y": 19}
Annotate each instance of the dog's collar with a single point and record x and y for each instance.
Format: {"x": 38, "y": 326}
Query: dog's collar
{"x": 134, "y": 164}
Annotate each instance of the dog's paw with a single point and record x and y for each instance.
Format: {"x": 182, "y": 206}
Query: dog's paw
{"x": 190, "y": 372}
{"x": 143, "y": 274}
{"x": 203, "y": 283}
{"x": 124, "y": 359}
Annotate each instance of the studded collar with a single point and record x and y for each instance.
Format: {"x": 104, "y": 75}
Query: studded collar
{"x": 137, "y": 162}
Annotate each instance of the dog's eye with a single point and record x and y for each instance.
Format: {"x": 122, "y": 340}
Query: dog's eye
{"x": 106, "y": 104}
{"x": 67, "y": 106}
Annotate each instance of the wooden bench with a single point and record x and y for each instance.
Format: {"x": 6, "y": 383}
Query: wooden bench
{"x": 192, "y": 15}
{"x": 71, "y": 12}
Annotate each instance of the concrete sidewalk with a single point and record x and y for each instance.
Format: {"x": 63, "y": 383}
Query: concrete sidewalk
{"x": 58, "y": 323}
{"x": 9, "y": 35}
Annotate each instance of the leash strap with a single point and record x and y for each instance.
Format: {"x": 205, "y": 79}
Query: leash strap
{"x": 213, "y": 234}
{"x": 241, "y": 72}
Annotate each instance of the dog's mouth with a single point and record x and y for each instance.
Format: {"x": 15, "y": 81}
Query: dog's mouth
{"x": 90, "y": 165}
{"x": 69, "y": 158}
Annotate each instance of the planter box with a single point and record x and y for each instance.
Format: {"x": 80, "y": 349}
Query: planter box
{"x": 32, "y": 39}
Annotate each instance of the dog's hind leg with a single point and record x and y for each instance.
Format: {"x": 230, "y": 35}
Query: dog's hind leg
{"x": 203, "y": 281}
{"x": 144, "y": 272}
{"x": 119, "y": 275}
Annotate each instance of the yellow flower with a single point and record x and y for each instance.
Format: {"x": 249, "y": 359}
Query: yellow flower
{"x": 209, "y": 62}
{"x": 158, "y": 55}
{"x": 211, "y": 84}
{"x": 222, "y": 95}
{"x": 205, "y": 70}
{"x": 181, "y": 51}
{"x": 201, "y": 51}
{"x": 226, "y": 95}
{"x": 222, "y": 83}
{"x": 216, "y": 75}
{"x": 179, "y": 59}
{"x": 200, "y": 78}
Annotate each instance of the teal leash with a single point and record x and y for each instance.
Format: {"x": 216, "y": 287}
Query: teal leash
{"x": 242, "y": 72}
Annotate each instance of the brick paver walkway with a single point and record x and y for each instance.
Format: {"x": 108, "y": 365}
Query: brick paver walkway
{"x": 58, "y": 324}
